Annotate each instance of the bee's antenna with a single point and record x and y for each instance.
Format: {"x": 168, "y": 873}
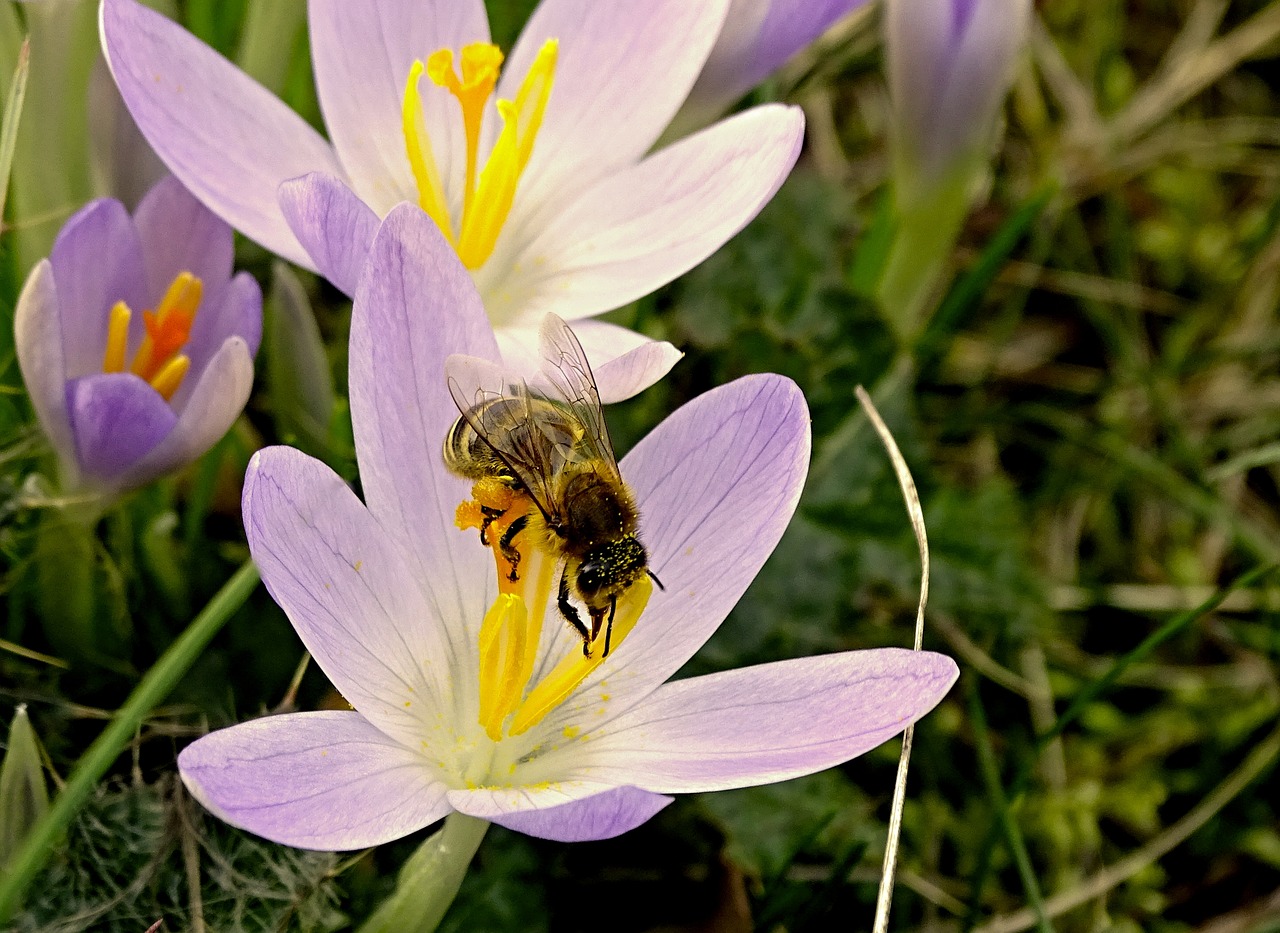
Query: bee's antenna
{"x": 654, "y": 577}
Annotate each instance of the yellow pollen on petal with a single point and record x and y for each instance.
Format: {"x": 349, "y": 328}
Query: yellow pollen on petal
{"x": 117, "y": 338}
{"x": 488, "y": 193}
{"x": 169, "y": 326}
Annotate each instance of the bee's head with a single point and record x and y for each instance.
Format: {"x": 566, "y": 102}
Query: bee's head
{"x": 610, "y": 567}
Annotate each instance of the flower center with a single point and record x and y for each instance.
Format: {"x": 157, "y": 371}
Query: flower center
{"x": 168, "y": 328}
{"x": 512, "y": 627}
{"x": 486, "y": 202}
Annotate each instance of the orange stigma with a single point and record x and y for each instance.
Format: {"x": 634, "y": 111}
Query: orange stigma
{"x": 168, "y": 328}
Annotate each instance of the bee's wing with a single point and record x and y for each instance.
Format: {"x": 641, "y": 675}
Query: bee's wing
{"x": 521, "y": 427}
{"x": 569, "y": 382}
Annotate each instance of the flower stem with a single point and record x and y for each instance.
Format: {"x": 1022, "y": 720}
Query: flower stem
{"x": 429, "y": 881}
{"x": 151, "y": 690}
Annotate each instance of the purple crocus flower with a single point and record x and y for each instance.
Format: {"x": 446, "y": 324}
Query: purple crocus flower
{"x": 550, "y": 196}
{"x": 135, "y": 342}
{"x": 758, "y": 38}
{"x": 950, "y": 64}
{"x": 479, "y": 701}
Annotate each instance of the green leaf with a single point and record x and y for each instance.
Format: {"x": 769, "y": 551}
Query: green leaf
{"x": 24, "y": 799}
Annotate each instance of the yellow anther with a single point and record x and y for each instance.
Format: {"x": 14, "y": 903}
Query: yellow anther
{"x": 167, "y": 381}
{"x": 504, "y": 661}
{"x": 573, "y": 668}
{"x": 169, "y": 326}
{"x": 421, "y": 158}
{"x": 487, "y": 194}
{"x": 117, "y": 338}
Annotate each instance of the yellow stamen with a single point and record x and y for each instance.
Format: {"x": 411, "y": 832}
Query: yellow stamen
{"x": 481, "y": 64}
{"x": 169, "y": 326}
{"x": 421, "y": 158}
{"x": 167, "y": 381}
{"x": 573, "y": 668}
{"x": 487, "y": 199}
{"x": 504, "y": 665}
{"x": 117, "y": 338}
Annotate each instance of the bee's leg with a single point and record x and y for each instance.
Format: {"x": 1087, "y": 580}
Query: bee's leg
{"x": 490, "y": 515}
{"x": 570, "y": 613}
{"x": 608, "y": 629}
{"x": 509, "y": 550}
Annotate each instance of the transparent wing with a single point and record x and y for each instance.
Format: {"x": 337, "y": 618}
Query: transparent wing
{"x": 534, "y": 436}
{"x": 569, "y": 382}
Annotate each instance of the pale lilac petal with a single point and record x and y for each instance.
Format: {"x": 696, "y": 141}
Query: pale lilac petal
{"x": 602, "y": 815}
{"x": 124, "y": 166}
{"x": 229, "y": 140}
{"x": 757, "y": 725}
{"x": 623, "y": 362}
{"x": 97, "y": 261}
{"x": 235, "y": 310}
{"x": 210, "y": 406}
{"x": 759, "y": 36}
{"x": 362, "y": 54}
{"x": 179, "y": 234}
{"x": 37, "y": 337}
{"x": 117, "y": 419}
{"x": 623, "y": 69}
{"x": 334, "y": 226}
{"x": 415, "y": 306}
{"x": 326, "y": 780}
{"x": 349, "y": 591}
{"x": 716, "y": 484}
{"x": 646, "y": 225}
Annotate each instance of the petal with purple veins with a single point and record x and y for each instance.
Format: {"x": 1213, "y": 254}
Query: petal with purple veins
{"x": 758, "y": 725}
{"x": 179, "y": 234}
{"x": 334, "y": 226}
{"x": 602, "y": 815}
{"x": 230, "y": 140}
{"x": 326, "y": 780}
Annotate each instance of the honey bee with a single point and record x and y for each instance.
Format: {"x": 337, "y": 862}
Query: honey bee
{"x": 548, "y": 442}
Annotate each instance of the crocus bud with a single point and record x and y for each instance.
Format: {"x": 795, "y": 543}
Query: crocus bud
{"x": 950, "y": 64}
{"x": 135, "y": 342}
{"x": 758, "y": 37}
{"x": 24, "y": 798}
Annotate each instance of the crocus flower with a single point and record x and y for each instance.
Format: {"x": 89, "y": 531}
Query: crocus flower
{"x": 758, "y": 38}
{"x": 135, "y": 342}
{"x": 476, "y": 698}
{"x": 548, "y": 195}
{"x": 950, "y": 64}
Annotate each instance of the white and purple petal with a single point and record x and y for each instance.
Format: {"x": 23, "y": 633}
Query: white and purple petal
{"x": 349, "y": 591}
{"x": 37, "y": 337}
{"x": 603, "y": 814}
{"x": 415, "y": 306}
{"x": 326, "y": 780}
{"x": 229, "y": 140}
{"x": 762, "y": 724}
{"x": 333, "y": 225}
{"x": 179, "y": 234}
{"x": 646, "y": 224}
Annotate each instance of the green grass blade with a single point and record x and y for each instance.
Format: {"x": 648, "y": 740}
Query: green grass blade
{"x": 12, "y": 114}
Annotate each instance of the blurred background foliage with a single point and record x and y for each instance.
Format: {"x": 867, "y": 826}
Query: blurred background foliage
{"x": 1091, "y": 416}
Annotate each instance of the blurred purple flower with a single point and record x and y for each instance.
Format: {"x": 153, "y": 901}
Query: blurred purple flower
{"x": 135, "y": 342}
{"x": 389, "y": 597}
{"x": 551, "y": 198}
{"x": 950, "y": 64}
{"x": 758, "y": 38}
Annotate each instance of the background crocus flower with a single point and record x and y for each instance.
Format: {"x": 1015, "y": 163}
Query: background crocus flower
{"x": 758, "y": 38}
{"x": 547, "y": 195}
{"x": 389, "y": 596}
{"x": 950, "y": 64}
{"x": 135, "y": 342}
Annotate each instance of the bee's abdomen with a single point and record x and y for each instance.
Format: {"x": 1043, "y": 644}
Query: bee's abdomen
{"x": 466, "y": 453}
